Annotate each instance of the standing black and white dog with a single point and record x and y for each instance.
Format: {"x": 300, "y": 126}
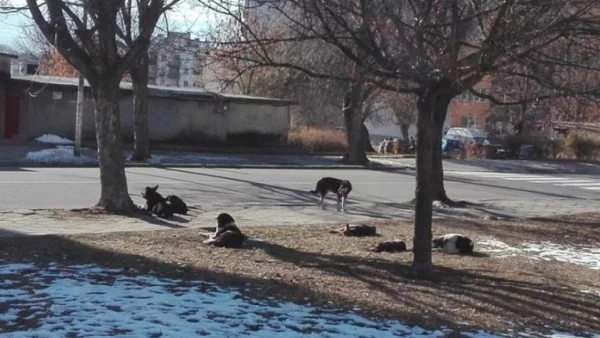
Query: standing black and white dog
{"x": 335, "y": 185}
{"x": 227, "y": 234}
{"x": 454, "y": 244}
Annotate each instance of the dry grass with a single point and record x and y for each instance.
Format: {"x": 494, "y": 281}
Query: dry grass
{"x": 308, "y": 265}
{"x": 582, "y": 146}
{"x": 318, "y": 140}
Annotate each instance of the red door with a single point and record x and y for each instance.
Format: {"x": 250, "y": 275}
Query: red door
{"x": 11, "y": 115}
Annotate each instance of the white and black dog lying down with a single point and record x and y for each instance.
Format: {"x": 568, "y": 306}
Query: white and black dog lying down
{"x": 227, "y": 234}
{"x": 163, "y": 207}
{"x": 335, "y": 185}
{"x": 454, "y": 244}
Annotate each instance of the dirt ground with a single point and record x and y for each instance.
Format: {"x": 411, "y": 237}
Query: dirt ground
{"x": 307, "y": 264}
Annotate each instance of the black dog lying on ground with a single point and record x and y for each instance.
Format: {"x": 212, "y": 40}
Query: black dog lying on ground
{"x": 390, "y": 246}
{"x": 163, "y": 207}
{"x": 157, "y": 204}
{"x": 227, "y": 234}
{"x": 360, "y": 230}
{"x": 179, "y": 207}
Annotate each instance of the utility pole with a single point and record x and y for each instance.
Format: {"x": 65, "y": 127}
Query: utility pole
{"x": 80, "y": 99}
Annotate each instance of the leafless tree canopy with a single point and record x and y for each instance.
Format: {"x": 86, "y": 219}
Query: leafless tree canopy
{"x": 435, "y": 49}
{"x": 101, "y": 43}
{"x": 408, "y": 42}
{"x": 32, "y": 41}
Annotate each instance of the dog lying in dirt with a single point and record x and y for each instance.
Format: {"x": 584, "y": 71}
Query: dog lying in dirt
{"x": 163, "y": 207}
{"x": 454, "y": 244}
{"x": 389, "y": 246}
{"x": 341, "y": 188}
{"x": 360, "y": 230}
{"x": 157, "y": 204}
{"x": 179, "y": 207}
{"x": 227, "y": 234}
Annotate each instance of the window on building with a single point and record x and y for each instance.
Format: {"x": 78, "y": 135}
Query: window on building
{"x": 185, "y": 83}
{"x": 464, "y": 121}
{"x": 498, "y": 127}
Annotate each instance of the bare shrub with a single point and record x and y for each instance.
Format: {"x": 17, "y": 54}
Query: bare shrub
{"x": 582, "y": 146}
{"x": 316, "y": 139}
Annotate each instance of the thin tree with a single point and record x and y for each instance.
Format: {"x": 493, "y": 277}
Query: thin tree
{"x": 97, "y": 53}
{"x": 403, "y": 109}
{"x": 132, "y": 25}
{"x": 319, "y": 99}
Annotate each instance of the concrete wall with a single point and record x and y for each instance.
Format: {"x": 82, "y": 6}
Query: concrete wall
{"x": 2, "y": 108}
{"x": 171, "y": 119}
{"x": 5, "y": 66}
{"x": 52, "y": 110}
{"x": 244, "y": 120}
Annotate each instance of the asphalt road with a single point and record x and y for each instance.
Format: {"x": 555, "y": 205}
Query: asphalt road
{"x": 375, "y": 194}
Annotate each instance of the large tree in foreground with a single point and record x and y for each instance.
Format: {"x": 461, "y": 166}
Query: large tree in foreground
{"x": 98, "y": 54}
{"x": 437, "y": 49}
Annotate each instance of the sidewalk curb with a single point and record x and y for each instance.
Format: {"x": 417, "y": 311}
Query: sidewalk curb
{"x": 212, "y": 166}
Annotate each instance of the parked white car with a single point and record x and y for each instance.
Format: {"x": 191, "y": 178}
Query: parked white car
{"x": 467, "y": 136}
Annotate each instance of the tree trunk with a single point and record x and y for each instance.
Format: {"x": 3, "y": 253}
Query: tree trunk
{"x": 141, "y": 130}
{"x": 404, "y": 130}
{"x": 114, "y": 196}
{"x": 366, "y": 139}
{"x": 353, "y": 119}
{"x": 437, "y": 172}
{"x": 422, "y": 263}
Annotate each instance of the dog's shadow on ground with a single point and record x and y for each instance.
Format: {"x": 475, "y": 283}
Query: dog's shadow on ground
{"x": 172, "y": 222}
{"x": 479, "y": 254}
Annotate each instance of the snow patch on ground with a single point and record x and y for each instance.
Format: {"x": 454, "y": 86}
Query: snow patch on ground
{"x": 547, "y": 251}
{"x": 53, "y": 139}
{"x": 58, "y": 155}
{"x": 197, "y": 159}
{"x": 592, "y": 292}
{"x": 93, "y": 302}
{"x": 85, "y": 300}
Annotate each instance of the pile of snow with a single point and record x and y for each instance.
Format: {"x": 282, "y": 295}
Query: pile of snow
{"x": 58, "y": 155}
{"x": 548, "y": 251}
{"x": 498, "y": 248}
{"x": 85, "y": 300}
{"x": 592, "y": 292}
{"x": 195, "y": 158}
{"x": 53, "y": 139}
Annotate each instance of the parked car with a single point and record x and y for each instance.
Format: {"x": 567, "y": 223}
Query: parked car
{"x": 467, "y": 136}
{"x": 472, "y": 141}
{"x": 526, "y": 152}
{"x": 449, "y": 145}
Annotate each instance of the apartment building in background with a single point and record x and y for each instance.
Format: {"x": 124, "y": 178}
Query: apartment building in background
{"x": 177, "y": 60}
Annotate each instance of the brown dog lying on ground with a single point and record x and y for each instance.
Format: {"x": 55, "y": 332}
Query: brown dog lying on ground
{"x": 356, "y": 230}
{"x": 227, "y": 234}
{"x": 390, "y": 246}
